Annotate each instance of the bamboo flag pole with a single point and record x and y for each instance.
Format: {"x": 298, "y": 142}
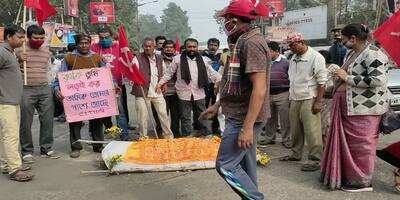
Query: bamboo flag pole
{"x": 24, "y": 46}
{"x": 19, "y": 14}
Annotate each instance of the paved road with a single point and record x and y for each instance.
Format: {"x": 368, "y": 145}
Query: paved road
{"x": 61, "y": 180}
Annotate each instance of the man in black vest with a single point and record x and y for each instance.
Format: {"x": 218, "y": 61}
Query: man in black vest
{"x": 151, "y": 66}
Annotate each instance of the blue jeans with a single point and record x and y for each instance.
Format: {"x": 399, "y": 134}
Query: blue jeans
{"x": 238, "y": 167}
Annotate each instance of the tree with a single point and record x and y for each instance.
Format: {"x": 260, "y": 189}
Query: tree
{"x": 175, "y": 22}
{"x": 149, "y": 26}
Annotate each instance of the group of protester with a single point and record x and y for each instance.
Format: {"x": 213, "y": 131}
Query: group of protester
{"x": 261, "y": 92}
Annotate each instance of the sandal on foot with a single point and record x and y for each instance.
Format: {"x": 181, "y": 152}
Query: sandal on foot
{"x": 21, "y": 176}
{"x": 289, "y": 158}
{"x": 310, "y": 167}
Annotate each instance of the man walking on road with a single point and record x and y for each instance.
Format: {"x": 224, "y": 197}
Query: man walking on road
{"x": 10, "y": 98}
{"x": 36, "y": 95}
{"x": 244, "y": 100}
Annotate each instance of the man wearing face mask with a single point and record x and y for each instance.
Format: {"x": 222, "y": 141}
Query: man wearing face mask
{"x": 244, "y": 98}
{"x": 109, "y": 51}
{"x": 193, "y": 73}
{"x": 37, "y": 95}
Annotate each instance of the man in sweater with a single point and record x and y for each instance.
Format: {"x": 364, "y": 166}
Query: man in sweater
{"x": 193, "y": 74}
{"x": 37, "y": 95}
{"x": 10, "y": 98}
{"x": 279, "y": 91}
{"x": 151, "y": 66}
{"x": 307, "y": 75}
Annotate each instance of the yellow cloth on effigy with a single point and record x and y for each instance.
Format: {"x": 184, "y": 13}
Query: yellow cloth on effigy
{"x": 172, "y": 151}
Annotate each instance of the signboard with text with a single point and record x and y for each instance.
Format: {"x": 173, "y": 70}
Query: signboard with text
{"x": 311, "y": 22}
{"x": 88, "y": 94}
{"x": 101, "y": 12}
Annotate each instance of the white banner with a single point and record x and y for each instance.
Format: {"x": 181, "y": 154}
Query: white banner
{"x": 311, "y": 22}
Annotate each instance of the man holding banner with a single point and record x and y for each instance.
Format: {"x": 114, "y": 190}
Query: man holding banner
{"x": 82, "y": 58}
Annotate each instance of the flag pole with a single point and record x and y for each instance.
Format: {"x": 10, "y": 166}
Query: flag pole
{"x": 150, "y": 113}
{"x": 19, "y": 14}
{"x": 24, "y": 46}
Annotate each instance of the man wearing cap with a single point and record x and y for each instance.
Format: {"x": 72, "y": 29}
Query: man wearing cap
{"x": 244, "y": 98}
{"x": 81, "y": 58}
{"x": 307, "y": 75}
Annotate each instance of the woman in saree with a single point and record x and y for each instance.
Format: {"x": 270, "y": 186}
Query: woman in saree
{"x": 359, "y": 100}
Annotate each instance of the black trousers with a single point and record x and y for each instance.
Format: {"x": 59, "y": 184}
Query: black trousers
{"x": 157, "y": 120}
{"x": 211, "y": 97}
{"x": 95, "y": 129}
{"x": 124, "y": 99}
{"x": 174, "y": 112}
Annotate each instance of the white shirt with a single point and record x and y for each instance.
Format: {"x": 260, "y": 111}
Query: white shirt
{"x": 153, "y": 77}
{"x": 306, "y": 72}
{"x": 185, "y": 91}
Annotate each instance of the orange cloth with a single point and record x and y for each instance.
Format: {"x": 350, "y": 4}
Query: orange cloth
{"x": 172, "y": 151}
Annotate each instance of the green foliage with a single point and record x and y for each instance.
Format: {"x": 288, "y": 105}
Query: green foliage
{"x": 175, "y": 22}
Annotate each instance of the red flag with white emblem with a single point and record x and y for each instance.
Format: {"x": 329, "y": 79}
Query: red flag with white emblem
{"x": 126, "y": 65}
{"x": 388, "y": 36}
{"x": 43, "y": 9}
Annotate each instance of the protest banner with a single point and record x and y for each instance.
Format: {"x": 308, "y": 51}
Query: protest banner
{"x": 88, "y": 94}
{"x": 101, "y": 12}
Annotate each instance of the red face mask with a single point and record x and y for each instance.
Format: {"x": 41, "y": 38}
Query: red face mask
{"x": 36, "y": 44}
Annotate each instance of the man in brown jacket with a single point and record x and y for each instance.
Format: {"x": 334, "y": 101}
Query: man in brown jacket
{"x": 151, "y": 66}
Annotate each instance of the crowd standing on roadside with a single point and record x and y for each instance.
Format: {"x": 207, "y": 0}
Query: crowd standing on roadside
{"x": 247, "y": 95}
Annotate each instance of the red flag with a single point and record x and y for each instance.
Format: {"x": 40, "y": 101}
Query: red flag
{"x": 32, "y": 4}
{"x": 126, "y": 65}
{"x": 177, "y": 45}
{"x": 388, "y": 36}
{"x": 42, "y": 8}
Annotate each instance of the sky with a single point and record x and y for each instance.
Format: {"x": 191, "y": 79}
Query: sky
{"x": 200, "y": 13}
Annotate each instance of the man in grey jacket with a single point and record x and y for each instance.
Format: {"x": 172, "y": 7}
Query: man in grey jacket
{"x": 10, "y": 96}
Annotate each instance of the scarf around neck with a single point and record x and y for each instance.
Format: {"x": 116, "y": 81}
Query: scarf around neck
{"x": 201, "y": 70}
{"x": 232, "y": 86}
